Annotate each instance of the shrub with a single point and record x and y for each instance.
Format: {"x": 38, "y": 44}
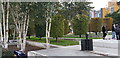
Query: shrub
{"x": 66, "y": 27}
{"x": 108, "y": 23}
{"x": 80, "y": 24}
{"x": 96, "y": 24}
{"x": 57, "y": 26}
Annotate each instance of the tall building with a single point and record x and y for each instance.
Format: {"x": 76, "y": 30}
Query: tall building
{"x": 118, "y": 3}
{"x": 112, "y": 7}
{"x": 94, "y": 13}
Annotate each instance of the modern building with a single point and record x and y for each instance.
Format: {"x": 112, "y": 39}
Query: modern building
{"x": 112, "y": 7}
{"x": 98, "y": 13}
{"x": 94, "y": 13}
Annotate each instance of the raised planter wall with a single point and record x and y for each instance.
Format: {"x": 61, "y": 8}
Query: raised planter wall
{"x": 43, "y": 45}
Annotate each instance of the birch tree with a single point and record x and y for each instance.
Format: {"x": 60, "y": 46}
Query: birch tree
{"x": 1, "y": 35}
{"x": 5, "y": 17}
{"x": 52, "y": 9}
{"x": 20, "y": 13}
{"x": 3, "y": 23}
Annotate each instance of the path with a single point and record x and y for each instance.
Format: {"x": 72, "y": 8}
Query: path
{"x": 99, "y": 50}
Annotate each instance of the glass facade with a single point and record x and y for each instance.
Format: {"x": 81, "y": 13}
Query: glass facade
{"x": 111, "y": 10}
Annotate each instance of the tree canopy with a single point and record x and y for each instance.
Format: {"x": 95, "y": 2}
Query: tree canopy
{"x": 80, "y": 24}
{"x": 115, "y": 16}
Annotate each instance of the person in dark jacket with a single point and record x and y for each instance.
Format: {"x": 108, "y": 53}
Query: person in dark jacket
{"x": 20, "y": 54}
{"x": 113, "y": 31}
{"x": 104, "y": 32}
{"x": 117, "y": 31}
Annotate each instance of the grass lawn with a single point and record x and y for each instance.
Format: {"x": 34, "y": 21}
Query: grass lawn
{"x": 71, "y": 37}
{"x": 84, "y": 37}
{"x": 53, "y": 41}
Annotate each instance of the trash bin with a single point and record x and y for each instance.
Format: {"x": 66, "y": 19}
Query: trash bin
{"x": 86, "y": 45}
{"x": 20, "y": 54}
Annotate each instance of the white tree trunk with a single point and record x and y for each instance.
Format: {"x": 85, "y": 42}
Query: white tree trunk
{"x": 1, "y": 35}
{"x": 28, "y": 19}
{"x": 25, "y": 32}
{"x": 4, "y": 27}
{"x": 19, "y": 40}
{"x": 6, "y": 41}
{"x": 47, "y": 42}
{"x": 24, "y": 35}
{"x": 14, "y": 34}
{"x": 5, "y": 24}
{"x": 17, "y": 26}
{"x": 48, "y": 27}
{"x": 21, "y": 27}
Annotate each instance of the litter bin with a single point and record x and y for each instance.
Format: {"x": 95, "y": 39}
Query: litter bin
{"x": 86, "y": 45}
{"x": 20, "y": 54}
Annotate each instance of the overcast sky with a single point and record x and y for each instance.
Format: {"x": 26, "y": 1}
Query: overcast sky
{"x": 100, "y": 3}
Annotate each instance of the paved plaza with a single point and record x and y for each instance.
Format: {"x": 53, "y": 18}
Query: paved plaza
{"x": 100, "y": 49}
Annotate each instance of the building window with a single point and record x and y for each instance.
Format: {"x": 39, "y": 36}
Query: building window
{"x": 111, "y": 10}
